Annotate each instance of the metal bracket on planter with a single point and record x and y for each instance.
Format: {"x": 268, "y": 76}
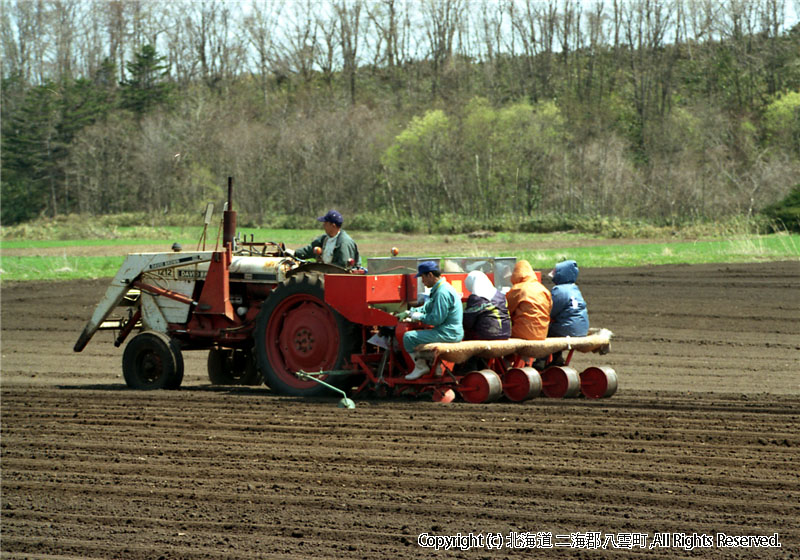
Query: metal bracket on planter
{"x": 344, "y": 402}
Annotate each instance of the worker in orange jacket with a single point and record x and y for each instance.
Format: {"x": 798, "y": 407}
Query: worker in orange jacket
{"x": 529, "y": 304}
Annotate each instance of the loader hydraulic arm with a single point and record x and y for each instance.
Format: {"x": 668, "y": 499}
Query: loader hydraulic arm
{"x": 130, "y": 271}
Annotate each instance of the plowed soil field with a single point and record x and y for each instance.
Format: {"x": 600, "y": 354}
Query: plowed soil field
{"x": 698, "y": 450}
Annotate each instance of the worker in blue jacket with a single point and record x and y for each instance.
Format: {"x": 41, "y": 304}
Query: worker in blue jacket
{"x": 442, "y": 311}
{"x": 568, "y": 316}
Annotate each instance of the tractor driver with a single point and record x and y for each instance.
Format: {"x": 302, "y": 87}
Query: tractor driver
{"x": 337, "y": 247}
{"x": 442, "y": 311}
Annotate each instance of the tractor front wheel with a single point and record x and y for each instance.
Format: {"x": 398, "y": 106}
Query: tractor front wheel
{"x": 232, "y": 367}
{"x": 152, "y": 360}
{"x": 297, "y": 331}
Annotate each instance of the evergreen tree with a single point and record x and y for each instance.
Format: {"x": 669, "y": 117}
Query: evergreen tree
{"x": 38, "y": 129}
{"x": 105, "y": 76}
{"x": 147, "y": 87}
{"x": 82, "y": 103}
{"x": 29, "y": 168}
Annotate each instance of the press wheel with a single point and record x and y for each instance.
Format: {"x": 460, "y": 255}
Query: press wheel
{"x": 598, "y": 382}
{"x": 480, "y": 386}
{"x": 560, "y": 381}
{"x": 520, "y": 384}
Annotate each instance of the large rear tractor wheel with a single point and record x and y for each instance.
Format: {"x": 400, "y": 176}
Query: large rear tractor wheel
{"x": 232, "y": 367}
{"x": 151, "y": 360}
{"x": 296, "y": 330}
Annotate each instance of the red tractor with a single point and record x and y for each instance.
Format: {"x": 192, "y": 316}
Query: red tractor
{"x": 306, "y": 327}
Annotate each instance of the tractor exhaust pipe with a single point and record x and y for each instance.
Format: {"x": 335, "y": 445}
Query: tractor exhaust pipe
{"x": 229, "y": 218}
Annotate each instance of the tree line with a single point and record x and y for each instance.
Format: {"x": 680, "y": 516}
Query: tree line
{"x": 431, "y": 110}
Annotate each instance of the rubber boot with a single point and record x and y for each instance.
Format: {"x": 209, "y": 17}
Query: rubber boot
{"x": 420, "y": 368}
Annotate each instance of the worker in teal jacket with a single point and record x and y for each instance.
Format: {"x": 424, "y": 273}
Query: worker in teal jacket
{"x": 442, "y": 311}
{"x": 337, "y": 247}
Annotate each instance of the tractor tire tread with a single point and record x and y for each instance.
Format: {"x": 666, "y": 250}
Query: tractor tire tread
{"x": 313, "y": 284}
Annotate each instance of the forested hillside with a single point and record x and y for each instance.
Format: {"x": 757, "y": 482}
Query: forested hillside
{"x": 400, "y": 111}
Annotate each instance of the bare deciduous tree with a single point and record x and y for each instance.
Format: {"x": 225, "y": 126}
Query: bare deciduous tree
{"x": 210, "y": 25}
{"x": 297, "y": 50}
{"x": 442, "y": 19}
{"x": 536, "y": 24}
{"x": 645, "y": 25}
{"x": 260, "y": 27}
{"x": 20, "y": 37}
{"x": 383, "y": 15}
{"x": 349, "y": 16}
{"x": 391, "y": 20}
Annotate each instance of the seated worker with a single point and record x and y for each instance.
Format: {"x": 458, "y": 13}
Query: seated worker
{"x": 569, "y": 316}
{"x": 442, "y": 311}
{"x": 486, "y": 315}
{"x": 529, "y": 304}
{"x": 338, "y": 248}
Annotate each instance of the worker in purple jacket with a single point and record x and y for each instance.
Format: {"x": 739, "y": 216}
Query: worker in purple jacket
{"x": 485, "y": 315}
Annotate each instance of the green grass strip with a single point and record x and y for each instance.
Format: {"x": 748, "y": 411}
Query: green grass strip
{"x": 187, "y": 237}
{"x": 744, "y": 249}
{"x": 44, "y": 244}
{"x": 59, "y": 268}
